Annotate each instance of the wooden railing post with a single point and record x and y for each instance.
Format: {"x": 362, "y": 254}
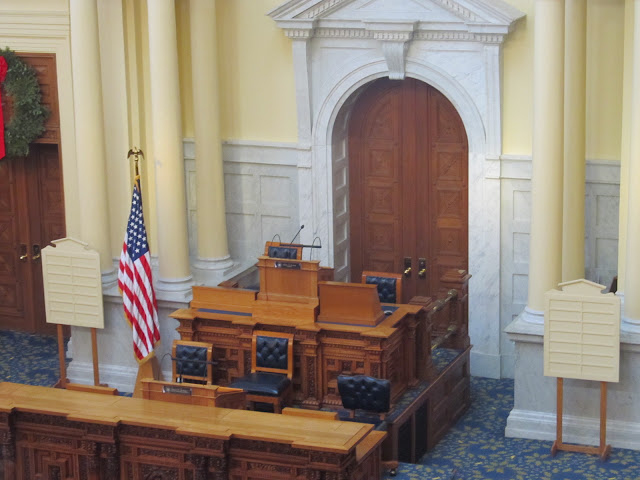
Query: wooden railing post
{"x": 459, "y": 310}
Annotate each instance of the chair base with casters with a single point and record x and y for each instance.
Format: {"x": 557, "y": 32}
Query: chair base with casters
{"x": 271, "y": 370}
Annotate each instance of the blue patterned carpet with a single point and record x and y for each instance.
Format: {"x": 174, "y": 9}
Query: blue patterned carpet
{"x": 474, "y": 449}
{"x": 29, "y": 359}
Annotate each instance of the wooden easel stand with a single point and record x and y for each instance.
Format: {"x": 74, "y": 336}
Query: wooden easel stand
{"x": 97, "y": 387}
{"x": 603, "y": 450}
{"x": 61, "y": 357}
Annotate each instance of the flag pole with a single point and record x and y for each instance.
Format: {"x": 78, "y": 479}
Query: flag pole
{"x": 149, "y": 368}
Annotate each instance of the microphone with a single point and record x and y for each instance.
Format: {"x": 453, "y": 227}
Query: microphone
{"x": 301, "y": 227}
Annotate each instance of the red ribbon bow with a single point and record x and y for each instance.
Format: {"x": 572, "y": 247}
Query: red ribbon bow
{"x": 3, "y": 73}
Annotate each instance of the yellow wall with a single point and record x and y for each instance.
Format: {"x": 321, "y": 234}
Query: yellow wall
{"x": 257, "y": 89}
{"x": 517, "y": 108}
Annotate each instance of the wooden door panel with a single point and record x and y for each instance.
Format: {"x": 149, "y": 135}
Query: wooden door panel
{"x": 408, "y": 159}
{"x": 13, "y": 284}
{"x": 51, "y": 196}
{"x": 375, "y": 179}
{"x": 44, "y": 65}
{"x": 449, "y": 171}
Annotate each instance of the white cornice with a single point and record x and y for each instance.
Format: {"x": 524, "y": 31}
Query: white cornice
{"x": 486, "y": 21}
{"x": 47, "y": 24}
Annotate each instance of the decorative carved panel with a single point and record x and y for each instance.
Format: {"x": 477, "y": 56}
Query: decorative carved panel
{"x": 449, "y": 204}
{"x": 381, "y": 163}
{"x": 450, "y": 166}
{"x": 382, "y": 200}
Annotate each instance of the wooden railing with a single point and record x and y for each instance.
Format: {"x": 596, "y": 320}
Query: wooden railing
{"x": 448, "y": 316}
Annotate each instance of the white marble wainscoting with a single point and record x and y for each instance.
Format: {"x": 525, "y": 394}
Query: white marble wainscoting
{"x": 534, "y": 412}
{"x": 601, "y": 221}
{"x": 515, "y": 219}
{"x": 601, "y": 237}
{"x": 261, "y": 195}
{"x": 117, "y": 365}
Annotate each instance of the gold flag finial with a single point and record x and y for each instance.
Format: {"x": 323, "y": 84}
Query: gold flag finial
{"x": 137, "y": 153}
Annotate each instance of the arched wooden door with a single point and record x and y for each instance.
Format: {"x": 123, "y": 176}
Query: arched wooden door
{"x": 408, "y": 158}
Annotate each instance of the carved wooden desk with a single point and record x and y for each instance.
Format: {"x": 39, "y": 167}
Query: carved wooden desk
{"x": 396, "y": 349}
{"x": 51, "y": 433}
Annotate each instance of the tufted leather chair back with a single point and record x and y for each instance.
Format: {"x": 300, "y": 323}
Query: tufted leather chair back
{"x": 386, "y": 288}
{"x": 361, "y": 392}
{"x": 192, "y": 361}
{"x": 271, "y": 352}
{"x": 389, "y": 285}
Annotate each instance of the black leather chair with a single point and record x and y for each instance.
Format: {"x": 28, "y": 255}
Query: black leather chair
{"x": 389, "y": 285}
{"x": 192, "y": 362}
{"x": 361, "y": 392}
{"x": 271, "y": 370}
{"x": 369, "y": 394}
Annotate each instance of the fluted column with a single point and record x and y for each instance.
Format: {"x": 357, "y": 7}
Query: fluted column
{"x": 632, "y": 265}
{"x": 90, "y": 143}
{"x": 213, "y": 250}
{"x": 575, "y": 76}
{"x": 545, "y": 259}
{"x": 168, "y": 158}
{"x": 625, "y": 144}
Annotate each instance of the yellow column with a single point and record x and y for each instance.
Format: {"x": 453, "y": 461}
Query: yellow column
{"x": 90, "y": 144}
{"x": 545, "y": 259}
{"x": 575, "y": 76}
{"x": 625, "y": 141}
{"x": 632, "y": 265}
{"x": 168, "y": 158}
{"x": 213, "y": 251}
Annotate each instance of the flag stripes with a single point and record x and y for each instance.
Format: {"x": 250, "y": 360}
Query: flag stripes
{"x": 136, "y": 282}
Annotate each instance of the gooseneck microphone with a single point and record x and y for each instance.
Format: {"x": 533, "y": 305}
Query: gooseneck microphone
{"x": 298, "y": 233}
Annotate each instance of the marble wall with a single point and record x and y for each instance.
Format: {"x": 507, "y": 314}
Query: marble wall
{"x": 261, "y": 194}
{"x": 601, "y": 237}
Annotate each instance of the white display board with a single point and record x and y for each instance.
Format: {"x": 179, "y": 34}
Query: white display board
{"x": 582, "y": 332}
{"x": 72, "y": 284}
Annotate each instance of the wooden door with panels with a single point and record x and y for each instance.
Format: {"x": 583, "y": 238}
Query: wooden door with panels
{"x": 31, "y": 211}
{"x": 408, "y": 173}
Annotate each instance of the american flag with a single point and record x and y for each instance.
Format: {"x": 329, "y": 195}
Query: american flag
{"x": 136, "y": 284}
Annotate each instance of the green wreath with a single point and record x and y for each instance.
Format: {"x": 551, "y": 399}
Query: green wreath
{"x": 29, "y": 114}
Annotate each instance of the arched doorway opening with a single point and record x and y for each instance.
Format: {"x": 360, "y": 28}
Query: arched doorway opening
{"x": 408, "y": 184}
